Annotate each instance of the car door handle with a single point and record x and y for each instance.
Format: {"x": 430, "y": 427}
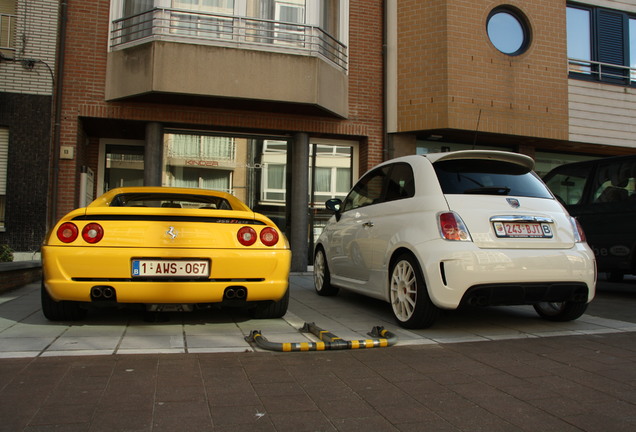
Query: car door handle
{"x": 368, "y": 224}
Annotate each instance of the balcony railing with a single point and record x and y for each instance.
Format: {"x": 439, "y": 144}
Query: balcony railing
{"x": 7, "y": 27}
{"x": 195, "y": 27}
{"x": 605, "y": 72}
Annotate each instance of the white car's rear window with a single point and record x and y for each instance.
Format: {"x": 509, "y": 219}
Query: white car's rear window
{"x": 488, "y": 177}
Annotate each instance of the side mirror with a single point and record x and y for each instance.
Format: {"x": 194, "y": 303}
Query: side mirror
{"x": 334, "y": 205}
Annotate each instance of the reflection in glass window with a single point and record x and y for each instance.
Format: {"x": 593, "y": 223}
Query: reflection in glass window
{"x": 507, "y": 32}
{"x": 274, "y": 185}
{"x": 579, "y": 38}
{"x": 632, "y": 47}
{"x": 200, "y": 146}
{"x": 200, "y": 178}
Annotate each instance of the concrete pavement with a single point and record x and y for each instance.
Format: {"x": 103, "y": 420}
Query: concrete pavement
{"x": 195, "y": 372}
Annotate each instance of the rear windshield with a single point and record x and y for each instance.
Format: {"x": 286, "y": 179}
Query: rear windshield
{"x": 170, "y": 201}
{"x": 488, "y": 177}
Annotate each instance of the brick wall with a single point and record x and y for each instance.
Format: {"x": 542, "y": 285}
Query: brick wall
{"x": 448, "y": 70}
{"x": 28, "y": 118}
{"x": 85, "y": 60}
{"x": 36, "y": 38}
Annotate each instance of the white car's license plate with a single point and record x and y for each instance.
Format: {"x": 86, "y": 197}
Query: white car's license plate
{"x": 522, "y": 229}
{"x": 170, "y": 268}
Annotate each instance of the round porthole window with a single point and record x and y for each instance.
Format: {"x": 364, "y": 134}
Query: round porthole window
{"x": 508, "y": 30}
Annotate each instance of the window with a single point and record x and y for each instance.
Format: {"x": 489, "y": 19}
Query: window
{"x": 568, "y": 183}
{"x": 201, "y": 147}
{"x": 615, "y": 181}
{"x": 140, "y": 23}
{"x": 601, "y": 44}
{"x": 368, "y": 190}
{"x": 632, "y": 47}
{"x": 274, "y": 182}
{"x": 274, "y": 171}
{"x": 4, "y": 158}
{"x": 401, "y": 182}
{"x": 331, "y": 177}
{"x": 579, "y": 39}
{"x": 204, "y": 20}
{"x": 488, "y": 177}
{"x": 8, "y": 20}
{"x": 508, "y": 31}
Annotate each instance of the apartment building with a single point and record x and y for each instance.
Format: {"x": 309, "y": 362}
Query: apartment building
{"x": 28, "y": 37}
{"x": 277, "y": 102}
{"x": 285, "y": 103}
{"x": 551, "y": 79}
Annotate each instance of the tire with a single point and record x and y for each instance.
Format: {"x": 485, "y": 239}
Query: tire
{"x": 560, "y": 311}
{"x": 271, "y": 309}
{"x": 322, "y": 276}
{"x": 410, "y": 302}
{"x": 62, "y": 310}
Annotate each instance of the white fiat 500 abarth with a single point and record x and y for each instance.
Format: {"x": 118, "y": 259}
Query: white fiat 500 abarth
{"x": 436, "y": 231}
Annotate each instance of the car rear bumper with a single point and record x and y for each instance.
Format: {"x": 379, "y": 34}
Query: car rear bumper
{"x": 71, "y": 273}
{"x": 526, "y": 274}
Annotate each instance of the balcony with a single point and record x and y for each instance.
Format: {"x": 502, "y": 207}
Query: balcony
{"x": 603, "y": 72}
{"x": 183, "y": 57}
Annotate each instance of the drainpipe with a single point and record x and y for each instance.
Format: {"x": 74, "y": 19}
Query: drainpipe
{"x": 57, "y": 115}
{"x": 385, "y": 16}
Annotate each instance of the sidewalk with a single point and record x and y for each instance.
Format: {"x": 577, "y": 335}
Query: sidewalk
{"x": 574, "y": 383}
{"x": 484, "y": 370}
{"x": 24, "y": 332}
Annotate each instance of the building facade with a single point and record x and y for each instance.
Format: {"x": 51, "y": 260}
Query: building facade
{"x": 28, "y": 37}
{"x": 551, "y": 79}
{"x": 285, "y": 103}
{"x": 277, "y": 102}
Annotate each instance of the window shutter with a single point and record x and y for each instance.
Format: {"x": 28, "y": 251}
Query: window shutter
{"x": 4, "y": 159}
{"x": 611, "y": 43}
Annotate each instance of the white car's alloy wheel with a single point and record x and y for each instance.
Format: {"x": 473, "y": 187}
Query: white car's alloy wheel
{"x": 319, "y": 270}
{"x": 403, "y": 290}
{"x": 412, "y": 307}
{"x": 322, "y": 277}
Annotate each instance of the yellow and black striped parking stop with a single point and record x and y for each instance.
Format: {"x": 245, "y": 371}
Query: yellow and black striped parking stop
{"x": 328, "y": 341}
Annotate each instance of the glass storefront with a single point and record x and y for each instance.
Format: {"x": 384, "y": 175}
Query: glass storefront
{"x": 254, "y": 169}
{"x": 124, "y": 166}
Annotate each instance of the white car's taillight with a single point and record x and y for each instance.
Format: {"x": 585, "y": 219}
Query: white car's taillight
{"x": 579, "y": 234}
{"x": 451, "y": 227}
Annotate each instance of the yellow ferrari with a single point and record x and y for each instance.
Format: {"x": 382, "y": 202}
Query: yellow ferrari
{"x": 169, "y": 249}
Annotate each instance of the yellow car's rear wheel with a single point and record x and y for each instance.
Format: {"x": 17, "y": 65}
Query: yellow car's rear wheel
{"x": 62, "y": 310}
{"x": 271, "y": 309}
